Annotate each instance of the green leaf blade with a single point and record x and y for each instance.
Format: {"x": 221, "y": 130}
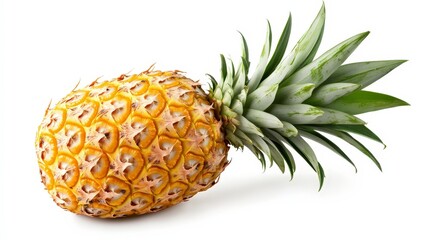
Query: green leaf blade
{"x": 299, "y": 53}
{"x": 306, "y": 152}
{"x": 280, "y": 49}
{"x": 352, "y": 141}
{"x": 223, "y": 69}
{"x": 248, "y": 127}
{"x": 279, "y": 141}
{"x": 333, "y": 117}
{"x": 263, "y": 119}
{"x": 259, "y": 142}
{"x": 263, "y": 60}
{"x": 288, "y": 130}
{"x": 296, "y": 113}
{"x": 309, "y": 133}
{"x": 320, "y": 69}
{"x": 365, "y": 101}
{"x": 328, "y": 93}
{"x": 262, "y": 97}
{"x": 357, "y": 129}
{"x": 363, "y": 73}
{"x": 244, "y": 50}
{"x": 295, "y": 93}
{"x": 276, "y": 156}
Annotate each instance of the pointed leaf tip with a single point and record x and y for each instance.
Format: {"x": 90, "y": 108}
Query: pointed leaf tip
{"x": 299, "y": 53}
{"x": 363, "y": 73}
{"x": 223, "y": 67}
{"x": 364, "y": 101}
{"x": 324, "y": 66}
{"x": 280, "y": 48}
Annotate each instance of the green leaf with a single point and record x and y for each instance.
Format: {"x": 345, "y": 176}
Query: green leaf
{"x": 313, "y": 52}
{"x": 288, "y": 130}
{"x": 279, "y": 141}
{"x": 243, "y": 136}
{"x": 299, "y": 53}
{"x": 363, "y": 73}
{"x": 229, "y": 80}
{"x": 243, "y": 96}
{"x": 241, "y": 80}
{"x": 296, "y": 113}
{"x": 331, "y": 116}
{"x": 262, "y": 97}
{"x": 237, "y": 106}
{"x": 227, "y": 112}
{"x": 328, "y": 93}
{"x": 213, "y": 82}
{"x": 263, "y": 60}
{"x": 233, "y": 139}
{"x": 263, "y": 119}
{"x": 248, "y": 127}
{"x": 260, "y": 144}
{"x": 305, "y": 150}
{"x": 244, "y": 51}
{"x": 365, "y": 101}
{"x": 280, "y": 48}
{"x": 352, "y": 141}
{"x": 288, "y": 158}
{"x": 227, "y": 94}
{"x": 321, "y": 175}
{"x": 223, "y": 69}
{"x": 295, "y": 93}
{"x": 309, "y": 133}
{"x": 276, "y": 155}
{"x": 320, "y": 69}
{"x": 358, "y": 129}
{"x": 232, "y": 71}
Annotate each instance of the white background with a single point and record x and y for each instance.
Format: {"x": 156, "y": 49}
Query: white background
{"x": 48, "y": 46}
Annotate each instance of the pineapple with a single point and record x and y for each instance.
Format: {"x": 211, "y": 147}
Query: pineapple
{"x": 143, "y": 142}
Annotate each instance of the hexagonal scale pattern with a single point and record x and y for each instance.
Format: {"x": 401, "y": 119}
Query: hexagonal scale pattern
{"x": 132, "y": 145}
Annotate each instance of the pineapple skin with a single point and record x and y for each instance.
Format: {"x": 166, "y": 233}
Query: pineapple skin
{"x": 133, "y": 145}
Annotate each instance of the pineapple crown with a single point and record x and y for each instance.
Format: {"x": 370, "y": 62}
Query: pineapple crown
{"x": 290, "y": 98}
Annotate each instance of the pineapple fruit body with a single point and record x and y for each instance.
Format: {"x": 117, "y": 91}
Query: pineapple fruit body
{"x": 132, "y": 145}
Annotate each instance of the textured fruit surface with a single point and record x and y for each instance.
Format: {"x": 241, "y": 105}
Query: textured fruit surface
{"x": 132, "y": 145}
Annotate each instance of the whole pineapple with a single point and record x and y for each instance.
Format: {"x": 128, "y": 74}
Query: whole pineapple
{"x": 140, "y": 143}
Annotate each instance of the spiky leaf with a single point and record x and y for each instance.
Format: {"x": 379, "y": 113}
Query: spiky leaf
{"x": 295, "y": 93}
{"x": 358, "y": 129}
{"x": 279, "y": 141}
{"x": 331, "y": 117}
{"x": 299, "y": 53}
{"x": 352, "y": 141}
{"x": 363, "y": 73}
{"x": 260, "y": 144}
{"x": 328, "y": 93}
{"x": 296, "y": 113}
{"x": 365, "y": 101}
{"x": 305, "y": 150}
{"x": 288, "y": 130}
{"x": 320, "y": 69}
{"x": 309, "y": 133}
{"x": 262, "y": 97}
{"x": 280, "y": 49}
{"x": 248, "y": 127}
{"x": 263, "y": 60}
{"x": 263, "y": 119}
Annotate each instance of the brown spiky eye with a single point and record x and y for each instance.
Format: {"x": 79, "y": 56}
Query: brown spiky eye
{"x": 107, "y": 135}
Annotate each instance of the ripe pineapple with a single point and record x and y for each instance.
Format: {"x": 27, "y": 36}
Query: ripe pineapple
{"x": 143, "y": 142}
